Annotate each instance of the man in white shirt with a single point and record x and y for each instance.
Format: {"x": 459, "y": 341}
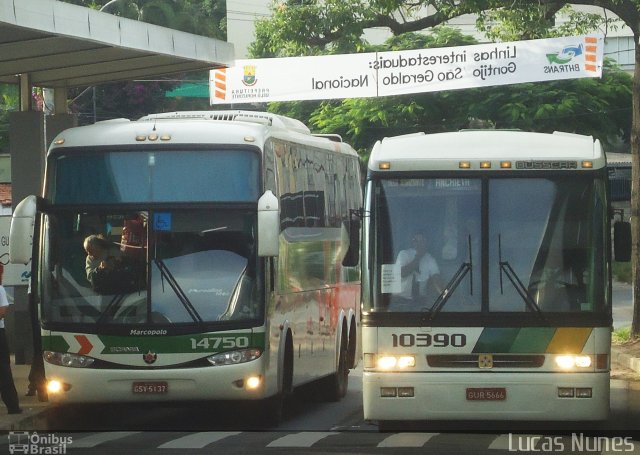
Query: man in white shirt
{"x": 418, "y": 270}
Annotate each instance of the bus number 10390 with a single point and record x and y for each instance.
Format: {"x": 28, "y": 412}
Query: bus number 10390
{"x": 424, "y": 340}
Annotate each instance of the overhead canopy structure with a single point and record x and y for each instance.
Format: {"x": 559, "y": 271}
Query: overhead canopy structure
{"x": 60, "y": 45}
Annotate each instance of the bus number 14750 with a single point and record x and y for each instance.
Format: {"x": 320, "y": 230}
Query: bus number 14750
{"x": 219, "y": 342}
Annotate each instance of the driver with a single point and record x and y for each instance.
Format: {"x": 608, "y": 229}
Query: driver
{"x": 418, "y": 270}
{"x": 101, "y": 255}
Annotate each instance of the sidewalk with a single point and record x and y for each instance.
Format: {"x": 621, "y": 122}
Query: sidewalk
{"x": 31, "y": 407}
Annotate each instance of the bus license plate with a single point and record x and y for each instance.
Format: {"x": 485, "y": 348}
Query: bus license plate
{"x": 486, "y": 394}
{"x": 150, "y": 387}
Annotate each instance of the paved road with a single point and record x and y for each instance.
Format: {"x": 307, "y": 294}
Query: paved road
{"x": 327, "y": 428}
{"x": 341, "y": 443}
{"x": 622, "y": 305}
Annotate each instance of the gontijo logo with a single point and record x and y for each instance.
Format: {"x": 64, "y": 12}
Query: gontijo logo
{"x": 568, "y": 59}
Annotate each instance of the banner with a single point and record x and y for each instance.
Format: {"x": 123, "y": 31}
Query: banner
{"x": 404, "y": 72}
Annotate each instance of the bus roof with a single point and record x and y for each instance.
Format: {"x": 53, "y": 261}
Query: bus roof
{"x": 445, "y": 151}
{"x": 196, "y": 127}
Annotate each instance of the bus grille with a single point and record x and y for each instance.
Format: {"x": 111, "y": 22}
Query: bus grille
{"x": 472, "y": 361}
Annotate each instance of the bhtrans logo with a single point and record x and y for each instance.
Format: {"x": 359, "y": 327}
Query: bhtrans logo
{"x": 32, "y": 443}
{"x": 574, "y": 58}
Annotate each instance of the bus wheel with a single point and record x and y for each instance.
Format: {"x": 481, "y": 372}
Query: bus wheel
{"x": 334, "y": 387}
{"x": 272, "y": 408}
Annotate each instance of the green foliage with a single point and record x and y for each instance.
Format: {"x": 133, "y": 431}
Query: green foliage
{"x": 622, "y": 272}
{"x": 311, "y": 28}
{"x": 621, "y": 336}
{"x": 601, "y": 108}
{"x": 531, "y": 21}
{"x": 9, "y": 101}
{"x": 439, "y": 36}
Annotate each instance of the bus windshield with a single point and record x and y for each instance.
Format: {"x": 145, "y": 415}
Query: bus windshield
{"x": 83, "y": 177}
{"x": 539, "y": 241}
{"x": 178, "y": 266}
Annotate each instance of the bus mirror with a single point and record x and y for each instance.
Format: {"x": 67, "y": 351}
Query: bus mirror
{"x": 268, "y": 225}
{"x": 21, "y": 232}
{"x": 622, "y": 241}
{"x": 353, "y": 252}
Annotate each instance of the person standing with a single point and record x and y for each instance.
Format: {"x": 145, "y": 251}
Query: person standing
{"x": 37, "y": 379}
{"x": 8, "y": 390}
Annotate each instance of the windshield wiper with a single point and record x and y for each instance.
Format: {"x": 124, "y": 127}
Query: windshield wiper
{"x": 452, "y": 285}
{"x": 506, "y": 268}
{"x": 166, "y": 273}
{"x": 111, "y": 308}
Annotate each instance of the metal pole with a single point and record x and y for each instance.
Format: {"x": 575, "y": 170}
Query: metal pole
{"x": 25, "y": 92}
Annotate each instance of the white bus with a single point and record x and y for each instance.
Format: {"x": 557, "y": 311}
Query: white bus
{"x": 226, "y": 234}
{"x": 510, "y": 314}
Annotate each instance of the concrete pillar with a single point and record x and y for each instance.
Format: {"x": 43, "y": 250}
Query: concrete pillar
{"x": 26, "y": 145}
{"x": 60, "y": 100}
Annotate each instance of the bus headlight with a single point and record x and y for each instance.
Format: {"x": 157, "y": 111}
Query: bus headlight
{"x": 54, "y": 386}
{"x": 234, "y": 357}
{"x": 568, "y": 362}
{"x": 390, "y": 362}
{"x": 253, "y": 382}
{"x": 67, "y": 359}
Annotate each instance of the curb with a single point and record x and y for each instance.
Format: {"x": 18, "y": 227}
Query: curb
{"x": 32, "y": 419}
{"x": 625, "y": 360}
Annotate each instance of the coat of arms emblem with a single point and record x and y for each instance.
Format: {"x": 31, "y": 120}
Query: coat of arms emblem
{"x": 249, "y": 78}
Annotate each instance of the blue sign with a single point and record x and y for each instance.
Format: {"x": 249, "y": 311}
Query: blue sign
{"x": 161, "y": 221}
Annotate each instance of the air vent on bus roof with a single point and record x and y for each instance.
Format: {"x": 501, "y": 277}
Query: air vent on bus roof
{"x": 263, "y": 118}
{"x": 114, "y": 120}
{"x": 331, "y": 137}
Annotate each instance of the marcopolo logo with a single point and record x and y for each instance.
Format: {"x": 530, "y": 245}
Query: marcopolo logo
{"x": 574, "y": 58}
{"x": 38, "y": 444}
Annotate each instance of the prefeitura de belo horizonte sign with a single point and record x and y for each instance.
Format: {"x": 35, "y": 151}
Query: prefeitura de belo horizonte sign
{"x": 404, "y": 72}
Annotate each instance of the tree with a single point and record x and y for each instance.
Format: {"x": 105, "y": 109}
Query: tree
{"x": 601, "y": 108}
{"x": 135, "y": 98}
{"x": 312, "y": 27}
